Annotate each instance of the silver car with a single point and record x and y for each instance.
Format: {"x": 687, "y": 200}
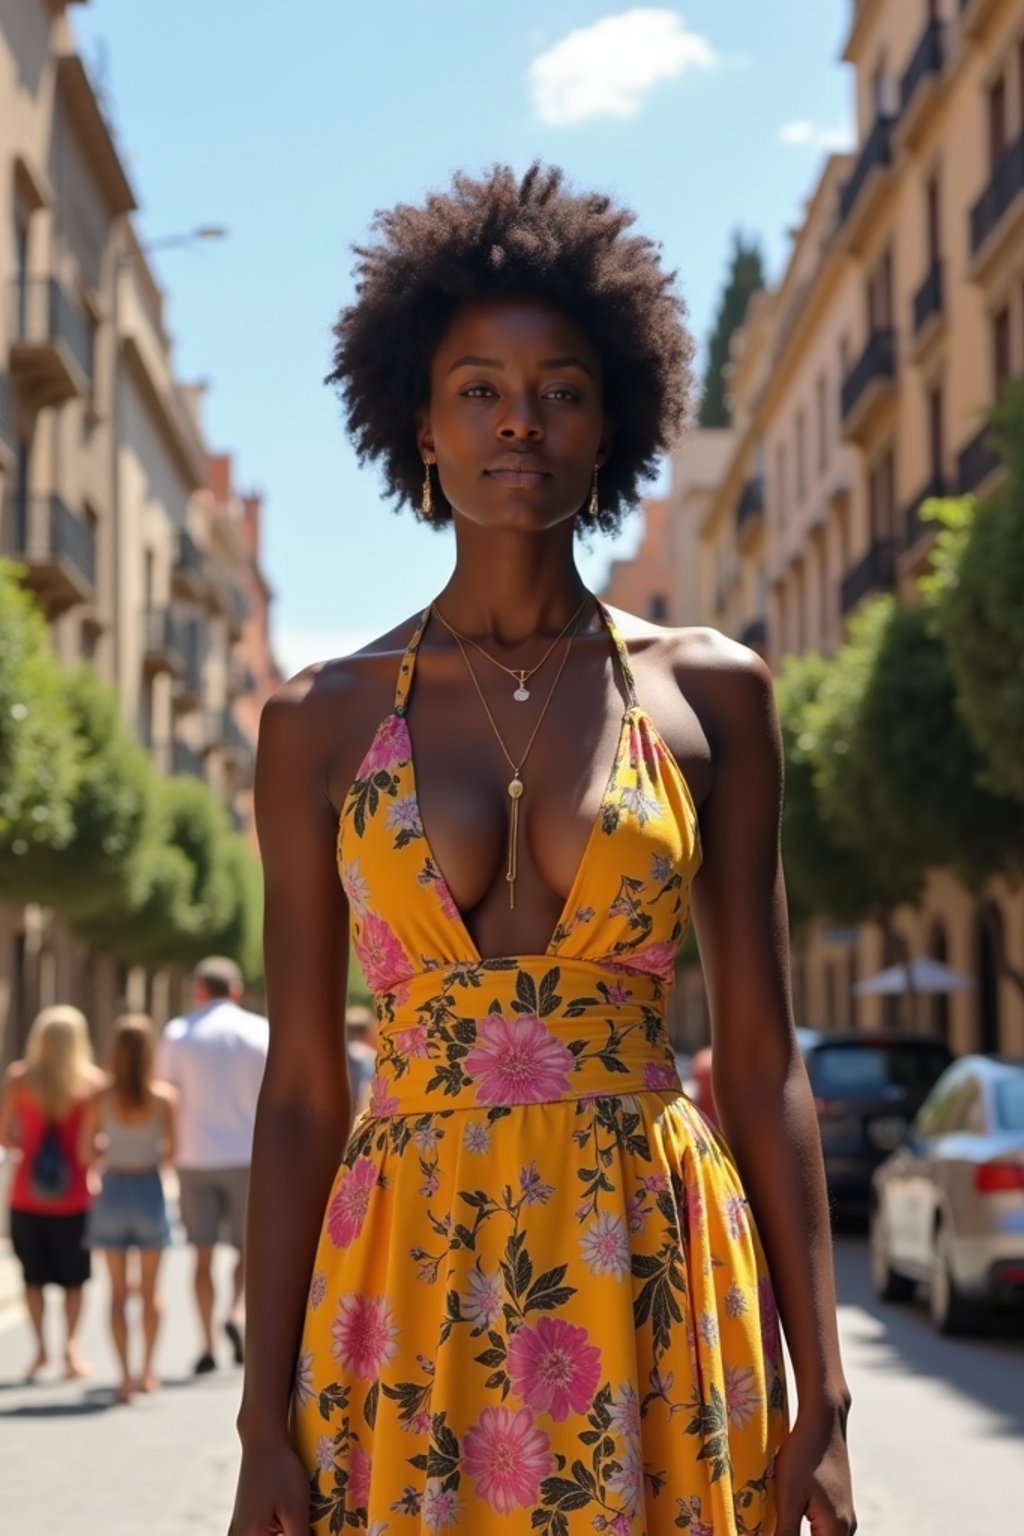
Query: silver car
{"x": 947, "y": 1207}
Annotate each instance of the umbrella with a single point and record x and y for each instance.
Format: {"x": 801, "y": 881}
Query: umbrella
{"x": 916, "y": 976}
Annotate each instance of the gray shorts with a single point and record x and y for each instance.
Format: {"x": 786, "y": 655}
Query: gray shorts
{"x": 213, "y": 1205}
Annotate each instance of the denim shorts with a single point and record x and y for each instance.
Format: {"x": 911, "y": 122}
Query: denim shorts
{"x": 129, "y": 1212}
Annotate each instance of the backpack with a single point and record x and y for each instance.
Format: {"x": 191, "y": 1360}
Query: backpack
{"x": 50, "y": 1175}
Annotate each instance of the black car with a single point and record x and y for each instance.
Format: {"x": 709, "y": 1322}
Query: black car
{"x": 867, "y": 1089}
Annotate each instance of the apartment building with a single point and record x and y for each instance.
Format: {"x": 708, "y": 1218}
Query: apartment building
{"x": 858, "y": 386}
{"x": 145, "y": 567}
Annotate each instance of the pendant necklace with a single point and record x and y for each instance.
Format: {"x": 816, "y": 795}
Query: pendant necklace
{"x": 521, "y": 675}
{"x": 516, "y": 786}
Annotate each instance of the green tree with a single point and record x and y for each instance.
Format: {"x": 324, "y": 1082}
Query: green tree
{"x": 39, "y": 757}
{"x": 746, "y": 276}
{"x": 977, "y": 593}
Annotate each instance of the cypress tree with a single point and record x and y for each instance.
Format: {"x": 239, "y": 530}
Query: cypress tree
{"x": 746, "y": 276}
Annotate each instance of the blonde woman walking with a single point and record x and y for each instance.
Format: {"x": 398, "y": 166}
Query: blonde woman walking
{"x": 41, "y": 1114}
{"x": 129, "y": 1131}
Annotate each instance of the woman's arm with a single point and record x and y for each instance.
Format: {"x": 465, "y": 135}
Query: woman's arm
{"x": 9, "y": 1105}
{"x": 761, "y": 1088}
{"x": 303, "y": 1114}
{"x": 169, "y": 1110}
{"x": 88, "y": 1131}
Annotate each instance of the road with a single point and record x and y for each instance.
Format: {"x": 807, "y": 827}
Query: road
{"x": 937, "y": 1432}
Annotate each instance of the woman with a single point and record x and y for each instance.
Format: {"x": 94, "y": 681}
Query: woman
{"x": 129, "y": 1130}
{"x": 40, "y": 1118}
{"x": 533, "y": 1296}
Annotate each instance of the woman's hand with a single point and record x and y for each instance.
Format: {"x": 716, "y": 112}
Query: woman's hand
{"x": 272, "y": 1498}
{"x": 812, "y": 1477}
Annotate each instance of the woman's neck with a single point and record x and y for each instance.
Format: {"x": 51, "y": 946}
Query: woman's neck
{"x": 509, "y": 587}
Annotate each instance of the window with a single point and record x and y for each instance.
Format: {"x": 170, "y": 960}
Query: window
{"x": 658, "y": 609}
{"x": 801, "y": 458}
{"x": 996, "y": 122}
{"x": 1001, "y": 347}
{"x": 780, "y": 486}
{"x": 933, "y": 221}
{"x": 821, "y": 390}
{"x": 936, "y": 443}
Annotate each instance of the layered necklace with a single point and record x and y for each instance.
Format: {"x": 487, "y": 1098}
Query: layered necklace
{"x": 516, "y": 786}
{"x": 521, "y": 675}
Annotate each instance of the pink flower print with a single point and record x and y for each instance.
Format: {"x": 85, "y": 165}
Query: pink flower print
{"x": 518, "y": 1061}
{"x": 659, "y": 1077}
{"x": 742, "y": 1398}
{"x": 379, "y": 952}
{"x": 413, "y": 1042}
{"x": 431, "y": 1184}
{"x": 618, "y": 994}
{"x": 347, "y": 1210}
{"x": 317, "y": 1289}
{"x": 476, "y": 1137}
{"x": 694, "y": 1206}
{"x": 390, "y": 746}
{"x": 507, "y": 1456}
{"x": 553, "y": 1368}
{"x": 303, "y": 1387}
{"x": 735, "y": 1301}
{"x": 324, "y": 1453}
{"x": 441, "y": 1508}
{"x": 382, "y": 1104}
{"x": 448, "y": 910}
{"x": 532, "y": 1187}
{"x": 605, "y": 1246}
{"x": 636, "y": 1216}
{"x": 771, "y": 1336}
{"x": 661, "y": 869}
{"x": 426, "y": 1136}
{"x": 655, "y": 959}
{"x": 359, "y": 1468}
{"x": 624, "y": 1412}
{"x": 355, "y": 886}
{"x": 482, "y": 1301}
{"x": 656, "y": 1183}
{"x": 622, "y": 1524}
{"x": 363, "y": 1335}
{"x": 736, "y": 1215}
{"x": 404, "y": 818}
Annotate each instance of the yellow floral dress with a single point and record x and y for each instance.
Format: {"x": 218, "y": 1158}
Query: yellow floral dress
{"x": 539, "y": 1303}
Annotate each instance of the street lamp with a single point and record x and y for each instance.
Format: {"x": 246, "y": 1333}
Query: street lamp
{"x": 201, "y": 234}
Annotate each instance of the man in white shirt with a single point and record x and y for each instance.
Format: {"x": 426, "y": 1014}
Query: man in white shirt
{"x": 215, "y": 1057}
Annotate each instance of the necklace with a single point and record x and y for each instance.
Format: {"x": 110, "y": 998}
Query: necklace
{"x": 516, "y": 787}
{"x": 521, "y": 675}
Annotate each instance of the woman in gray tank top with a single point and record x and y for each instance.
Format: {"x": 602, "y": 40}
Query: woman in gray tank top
{"x": 128, "y": 1132}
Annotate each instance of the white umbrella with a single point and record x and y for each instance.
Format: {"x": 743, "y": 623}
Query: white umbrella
{"x": 916, "y": 976}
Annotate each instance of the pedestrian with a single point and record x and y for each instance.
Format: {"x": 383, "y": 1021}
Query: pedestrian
{"x": 360, "y": 1046}
{"x": 214, "y": 1056}
{"x": 128, "y": 1131}
{"x": 44, "y": 1100}
{"x": 538, "y": 1293}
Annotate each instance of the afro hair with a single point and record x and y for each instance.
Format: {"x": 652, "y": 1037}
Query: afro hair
{"x": 529, "y": 237}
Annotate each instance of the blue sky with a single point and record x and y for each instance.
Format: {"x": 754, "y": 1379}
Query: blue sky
{"x": 292, "y": 125}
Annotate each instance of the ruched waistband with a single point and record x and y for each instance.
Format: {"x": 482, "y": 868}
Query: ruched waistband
{"x": 529, "y": 1030}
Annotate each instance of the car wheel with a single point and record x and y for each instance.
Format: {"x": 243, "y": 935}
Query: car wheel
{"x": 950, "y": 1310}
{"x": 888, "y": 1283}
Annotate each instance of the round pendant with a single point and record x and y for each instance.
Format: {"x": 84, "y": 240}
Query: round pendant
{"x": 521, "y": 694}
{"x": 515, "y": 789}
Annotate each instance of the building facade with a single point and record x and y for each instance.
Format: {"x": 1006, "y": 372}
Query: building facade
{"x": 858, "y": 387}
{"x": 145, "y": 568}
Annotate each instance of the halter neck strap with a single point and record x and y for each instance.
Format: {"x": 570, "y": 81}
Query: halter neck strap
{"x": 621, "y": 652}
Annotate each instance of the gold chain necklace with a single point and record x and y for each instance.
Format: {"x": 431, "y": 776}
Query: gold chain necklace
{"x": 521, "y": 675}
{"x": 516, "y": 787}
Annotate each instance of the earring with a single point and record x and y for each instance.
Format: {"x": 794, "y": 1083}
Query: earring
{"x": 427, "y": 504}
{"x": 593, "y": 506}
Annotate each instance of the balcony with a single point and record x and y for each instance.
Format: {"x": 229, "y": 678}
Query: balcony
{"x": 975, "y": 15}
{"x": 57, "y": 548}
{"x": 164, "y": 641}
{"x": 189, "y": 570}
{"x": 918, "y": 88}
{"x": 915, "y": 528}
{"x": 929, "y": 304}
{"x": 224, "y": 734}
{"x": 997, "y": 218}
{"x": 874, "y": 573}
{"x": 189, "y": 691}
{"x": 860, "y": 194}
{"x": 51, "y": 344}
{"x": 870, "y": 385}
{"x": 241, "y": 679}
{"x": 977, "y": 466}
{"x": 8, "y": 447}
{"x": 185, "y": 760}
{"x": 755, "y": 634}
{"x": 750, "y": 507}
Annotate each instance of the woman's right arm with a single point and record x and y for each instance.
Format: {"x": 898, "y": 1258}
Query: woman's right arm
{"x": 303, "y": 1114}
{"x": 89, "y": 1130}
{"x": 9, "y": 1104}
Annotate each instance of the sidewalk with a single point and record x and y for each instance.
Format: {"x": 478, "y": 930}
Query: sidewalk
{"x": 73, "y": 1460}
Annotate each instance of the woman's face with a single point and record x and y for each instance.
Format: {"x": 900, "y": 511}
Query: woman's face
{"x": 516, "y": 421}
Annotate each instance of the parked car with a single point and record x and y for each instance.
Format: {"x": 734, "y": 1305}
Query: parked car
{"x": 948, "y": 1205}
{"x": 867, "y": 1089}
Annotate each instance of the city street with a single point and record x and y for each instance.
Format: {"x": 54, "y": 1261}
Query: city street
{"x": 937, "y": 1431}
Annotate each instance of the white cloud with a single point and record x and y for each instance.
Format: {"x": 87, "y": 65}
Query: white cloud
{"x": 839, "y": 137}
{"x": 607, "y": 69}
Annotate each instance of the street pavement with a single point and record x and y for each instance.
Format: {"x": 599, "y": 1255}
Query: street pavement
{"x": 936, "y": 1434}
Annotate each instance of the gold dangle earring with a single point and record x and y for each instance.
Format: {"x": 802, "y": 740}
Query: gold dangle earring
{"x": 427, "y": 504}
{"x": 594, "y": 505}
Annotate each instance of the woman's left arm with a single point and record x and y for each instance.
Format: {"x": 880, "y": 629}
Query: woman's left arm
{"x": 761, "y": 1089}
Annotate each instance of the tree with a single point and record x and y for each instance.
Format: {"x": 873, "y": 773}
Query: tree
{"x": 977, "y": 594}
{"x": 746, "y": 276}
